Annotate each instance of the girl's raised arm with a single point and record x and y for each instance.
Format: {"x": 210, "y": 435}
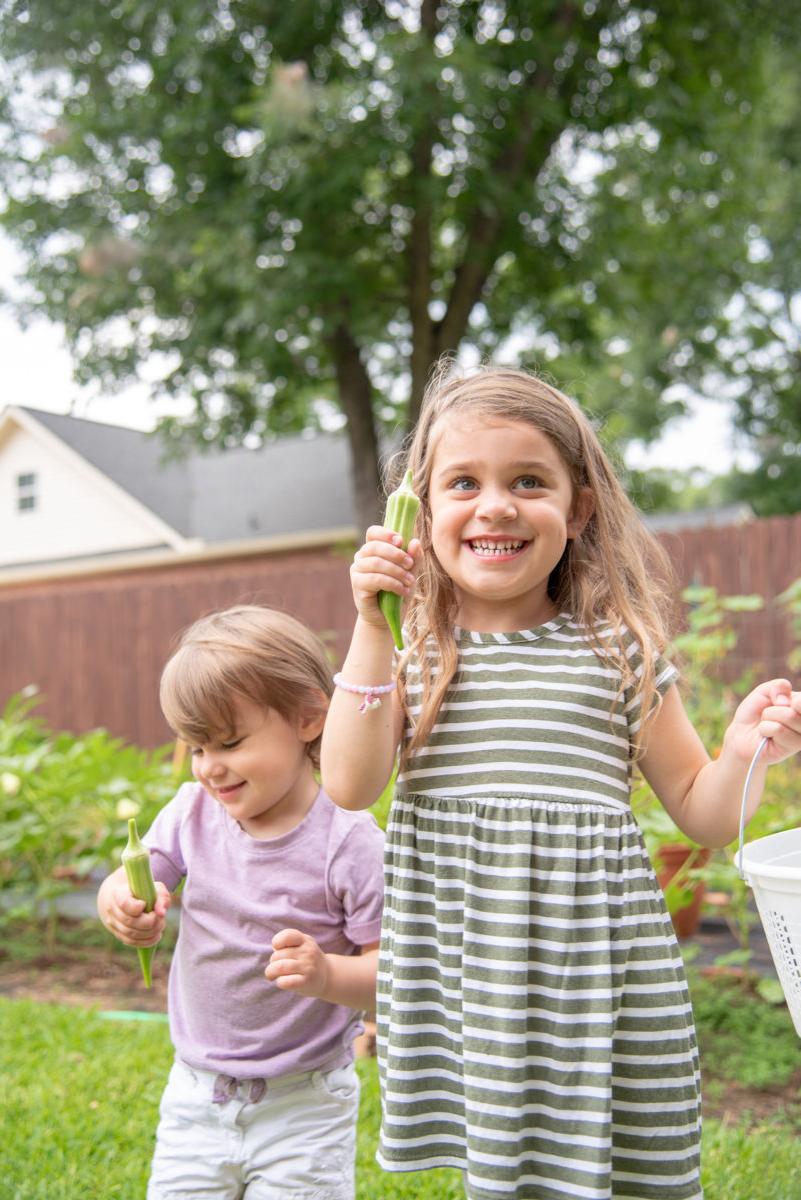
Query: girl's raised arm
{"x": 359, "y": 747}
{"x": 703, "y": 796}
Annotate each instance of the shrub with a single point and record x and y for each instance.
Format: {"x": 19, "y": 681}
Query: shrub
{"x": 65, "y": 800}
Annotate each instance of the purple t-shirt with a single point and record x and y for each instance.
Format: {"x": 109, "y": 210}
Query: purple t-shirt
{"x": 325, "y": 878}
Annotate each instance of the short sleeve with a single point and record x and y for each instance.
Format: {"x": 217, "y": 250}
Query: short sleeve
{"x": 665, "y": 675}
{"x": 163, "y": 839}
{"x": 356, "y": 875}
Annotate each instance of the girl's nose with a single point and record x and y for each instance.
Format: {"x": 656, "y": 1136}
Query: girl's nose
{"x": 213, "y": 768}
{"x": 496, "y": 506}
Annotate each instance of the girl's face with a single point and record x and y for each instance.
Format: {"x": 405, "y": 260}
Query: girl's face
{"x": 502, "y": 510}
{"x": 261, "y": 775}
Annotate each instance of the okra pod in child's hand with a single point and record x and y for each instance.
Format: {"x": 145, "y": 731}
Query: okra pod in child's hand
{"x": 400, "y": 516}
{"x": 136, "y": 860}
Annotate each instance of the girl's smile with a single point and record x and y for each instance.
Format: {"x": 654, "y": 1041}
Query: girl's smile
{"x": 503, "y": 508}
{"x": 499, "y": 549}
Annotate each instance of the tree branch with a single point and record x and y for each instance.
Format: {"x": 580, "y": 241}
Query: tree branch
{"x": 480, "y": 251}
{"x": 418, "y": 250}
{"x": 356, "y": 400}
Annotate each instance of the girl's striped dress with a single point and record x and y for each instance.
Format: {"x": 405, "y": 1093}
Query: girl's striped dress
{"x": 534, "y": 1023}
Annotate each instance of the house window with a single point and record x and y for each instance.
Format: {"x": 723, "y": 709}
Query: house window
{"x": 26, "y": 492}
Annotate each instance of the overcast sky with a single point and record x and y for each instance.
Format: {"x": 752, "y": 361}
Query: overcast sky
{"x": 36, "y": 372}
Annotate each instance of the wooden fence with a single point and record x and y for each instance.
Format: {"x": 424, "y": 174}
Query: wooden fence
{"x": 94, "y": 644}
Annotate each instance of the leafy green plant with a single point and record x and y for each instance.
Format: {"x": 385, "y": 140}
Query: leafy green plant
{"x": 702, "y": 651}
{"x": 790, "y": 599}
{"x": 65, "y": 801}
{"x": 742, "y": 1038}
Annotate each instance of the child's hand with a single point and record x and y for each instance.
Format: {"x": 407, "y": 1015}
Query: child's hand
{"x": 381, "y": 565}
{"x": 298, "y": 964}
{"x": 124, "y": 915}
{"x": 771, "y": 710}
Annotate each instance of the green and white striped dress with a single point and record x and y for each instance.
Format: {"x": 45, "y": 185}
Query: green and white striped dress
{"x": 534, "y": 1023}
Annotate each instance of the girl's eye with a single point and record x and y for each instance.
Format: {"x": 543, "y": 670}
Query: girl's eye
{"x": 463, "y": 484}
{"x": 231, "y": 745}
{"x": 528, "y": 483}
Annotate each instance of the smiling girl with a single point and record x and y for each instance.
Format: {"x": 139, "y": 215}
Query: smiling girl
{"x": 262, "y": 1098}
{"x": 534, "y": 1022}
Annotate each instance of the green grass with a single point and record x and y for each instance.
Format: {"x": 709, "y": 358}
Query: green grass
{"x": 741, "y": 1037}
{"x": 79, "y": 1100}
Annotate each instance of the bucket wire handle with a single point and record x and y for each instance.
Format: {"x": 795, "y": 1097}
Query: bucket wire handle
{"x": 746, "y": 785}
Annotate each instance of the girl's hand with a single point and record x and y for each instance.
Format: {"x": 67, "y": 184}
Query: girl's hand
{"x": 298, "y": 964}
{"x": 125, "y": 916}
{"x": 771, "y": 710}
{"x": 381, "y": 565}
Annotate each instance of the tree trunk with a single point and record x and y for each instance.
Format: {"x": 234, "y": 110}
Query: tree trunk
{"x": 356, "y": 401}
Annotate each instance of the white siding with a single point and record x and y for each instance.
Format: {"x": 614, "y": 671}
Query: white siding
{"x": 75, "y": 514}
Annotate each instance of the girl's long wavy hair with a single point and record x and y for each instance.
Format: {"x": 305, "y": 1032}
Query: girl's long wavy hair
{"x": 615, "y": 573}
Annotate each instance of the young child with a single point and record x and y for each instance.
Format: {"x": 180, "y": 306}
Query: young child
{"x": 534, "y": 1023}
{"x": 262, "y": 1098}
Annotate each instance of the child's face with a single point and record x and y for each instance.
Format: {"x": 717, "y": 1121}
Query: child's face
{"x": 262, "y": 775}
{"x": 502, "y": 510}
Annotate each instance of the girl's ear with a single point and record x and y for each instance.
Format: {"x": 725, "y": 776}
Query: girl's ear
{"x": 312, "y": 717}
{"x": 581, "y": 510}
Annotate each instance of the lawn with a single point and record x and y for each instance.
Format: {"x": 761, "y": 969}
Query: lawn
{"x": 80, "y": 1096}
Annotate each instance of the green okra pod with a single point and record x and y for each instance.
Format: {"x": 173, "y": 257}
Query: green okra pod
{"x": 400, "y": 516}
{"x": 136, "y": 860}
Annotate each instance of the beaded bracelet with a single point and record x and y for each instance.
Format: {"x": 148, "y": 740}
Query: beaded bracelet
{"x": 372, "y": 692}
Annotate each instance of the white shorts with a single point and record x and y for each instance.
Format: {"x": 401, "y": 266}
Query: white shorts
{"x": 296, "y": 1142}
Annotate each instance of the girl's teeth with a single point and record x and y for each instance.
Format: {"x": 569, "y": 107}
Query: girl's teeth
{"x": 490, "y": 548}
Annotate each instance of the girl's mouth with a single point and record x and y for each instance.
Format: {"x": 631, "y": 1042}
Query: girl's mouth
{"x": 225, "y": 792}
{"x": 496, "y": 548}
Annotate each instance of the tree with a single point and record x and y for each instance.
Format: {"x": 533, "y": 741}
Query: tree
{"x": 297, "y": 208}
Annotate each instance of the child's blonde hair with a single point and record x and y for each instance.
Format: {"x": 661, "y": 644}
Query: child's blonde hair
{"x": 615, "y": 572}
{"x": 249, "y": 652}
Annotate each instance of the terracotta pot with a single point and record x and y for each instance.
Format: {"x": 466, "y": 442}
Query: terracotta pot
{"x": 672, "y": 858}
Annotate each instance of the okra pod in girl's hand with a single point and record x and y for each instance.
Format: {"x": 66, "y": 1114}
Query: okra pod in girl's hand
{"x": 136, "y": 860}
{"x": 400, "y": 516}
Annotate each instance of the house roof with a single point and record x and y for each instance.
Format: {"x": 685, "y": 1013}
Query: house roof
{"x": 291, "y": 485}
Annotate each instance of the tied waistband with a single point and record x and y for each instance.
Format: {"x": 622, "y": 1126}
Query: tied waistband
{"x": 226, "y": 1088}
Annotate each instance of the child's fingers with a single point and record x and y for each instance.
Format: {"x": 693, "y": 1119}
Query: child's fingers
{"x": 380, "y": 533}
{"x": 288, "y": 982}
{"x": 163, "y": 899}
{"x": 766, "y": 695}
{"x": 130, "y": 906}
{"x": 380, "y": 573}
{"x": 286, "y": 938}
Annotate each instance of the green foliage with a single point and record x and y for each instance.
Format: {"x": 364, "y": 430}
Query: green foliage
{"x": 65, "y": 801}
{"x": 701, "y": 652}
{"x": 288, "y": 208}
{"x": 790, "y": 599}
{"x": 742, "y": 1038}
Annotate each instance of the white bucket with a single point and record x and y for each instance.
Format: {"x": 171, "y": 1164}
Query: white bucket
{"x": 771, "y": 866}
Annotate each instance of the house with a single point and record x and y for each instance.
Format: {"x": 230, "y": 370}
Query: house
{"x": 74, "y": 491}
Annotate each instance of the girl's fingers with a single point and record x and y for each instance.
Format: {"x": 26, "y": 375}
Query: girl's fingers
{"x": 284, "y": 966}
{"x": 380, "y": 533}
{"x": 287, "y": 982}
{"x": 287, "y": 937}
